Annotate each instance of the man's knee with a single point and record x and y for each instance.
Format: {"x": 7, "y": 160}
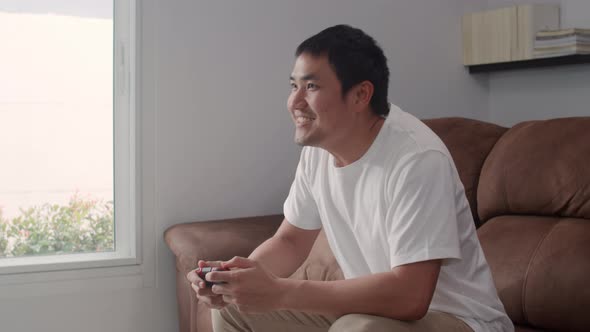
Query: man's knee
{"x": 225, "y": 319}
{"x": 363, "y": 323}
{"x": 433, "y": 321}
{"x": 217, "y": 320}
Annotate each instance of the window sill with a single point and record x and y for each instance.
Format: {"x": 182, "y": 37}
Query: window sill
{"x": 64, "y": 262}
{"x": 62, "y": 274}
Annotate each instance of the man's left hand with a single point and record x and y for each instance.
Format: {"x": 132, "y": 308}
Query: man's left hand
{"x": 248, "y": 285}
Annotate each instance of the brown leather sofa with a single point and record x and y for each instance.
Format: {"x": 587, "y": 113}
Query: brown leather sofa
{"x": 529, "y": 190}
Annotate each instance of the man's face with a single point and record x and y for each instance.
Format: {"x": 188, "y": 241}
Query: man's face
{"x": 315, "y": 103}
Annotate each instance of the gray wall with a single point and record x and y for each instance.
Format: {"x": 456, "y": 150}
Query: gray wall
{"x": 223, "y": 128}
{"x": 543, "y": 93}
{"x": 216, "y": 134}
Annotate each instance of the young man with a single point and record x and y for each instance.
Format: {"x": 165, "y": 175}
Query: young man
{"x": 386, "y": 192}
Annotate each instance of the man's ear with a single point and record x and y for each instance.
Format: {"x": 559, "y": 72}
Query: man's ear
{"x": 362, "y": 93}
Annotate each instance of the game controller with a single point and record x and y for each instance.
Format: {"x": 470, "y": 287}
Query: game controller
{"x": 202, "y": 272}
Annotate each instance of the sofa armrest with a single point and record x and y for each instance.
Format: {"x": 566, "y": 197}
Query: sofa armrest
{"x": 218, "y": 240}
{"x": 211, "y": 240}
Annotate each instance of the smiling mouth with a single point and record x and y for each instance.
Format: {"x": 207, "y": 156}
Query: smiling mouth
{"x": 303, "y": 120}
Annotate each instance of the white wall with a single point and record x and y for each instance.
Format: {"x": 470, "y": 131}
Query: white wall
{"x": 576, "y": 13}
{"x": 217, "y": 137}
{"x": 543, "y": 93}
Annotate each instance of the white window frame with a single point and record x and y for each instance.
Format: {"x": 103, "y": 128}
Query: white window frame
{"x": 126, "y": 172}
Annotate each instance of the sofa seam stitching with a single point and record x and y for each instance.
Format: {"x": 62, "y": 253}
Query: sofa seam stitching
{"x": 526, "y": 274}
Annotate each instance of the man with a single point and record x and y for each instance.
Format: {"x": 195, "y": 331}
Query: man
{"x": 386, "y": 192}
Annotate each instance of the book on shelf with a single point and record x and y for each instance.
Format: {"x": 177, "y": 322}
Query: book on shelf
{"x": 569, "y": 40}
{"x": 562, "y": 42}
{"x": 562, "y": 51}
{"x": 548, "y": 34}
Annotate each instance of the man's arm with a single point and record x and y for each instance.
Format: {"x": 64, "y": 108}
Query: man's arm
{"x": 404, "y": 293}
{"x": 286, "y": 250}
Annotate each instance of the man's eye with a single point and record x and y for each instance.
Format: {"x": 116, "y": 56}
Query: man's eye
{"x": 293, "y": 86}
{"x": 311, "y": 86}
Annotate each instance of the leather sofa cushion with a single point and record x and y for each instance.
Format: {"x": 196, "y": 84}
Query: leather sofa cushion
{"x": 469, "y": 142}
{"x": 538, "y": 168}
{"x": 218, "y": 240}
{"x": 541, "y": 267}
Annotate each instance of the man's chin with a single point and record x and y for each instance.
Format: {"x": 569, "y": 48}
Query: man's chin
{"x": 300, "y": 142}
{"x": 305, "y": 141}
{"x": 306, "y": 138}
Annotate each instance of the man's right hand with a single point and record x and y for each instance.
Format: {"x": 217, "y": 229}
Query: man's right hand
{"x": 204, "y": 293}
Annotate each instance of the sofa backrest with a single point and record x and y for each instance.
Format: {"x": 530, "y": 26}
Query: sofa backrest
{"x": 469, "y": 142}
{"x": 538, "y": 168}
{"x": 534, "y": 197}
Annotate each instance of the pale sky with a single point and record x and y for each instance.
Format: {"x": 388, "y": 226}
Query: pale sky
{"x": 56, "y": 108}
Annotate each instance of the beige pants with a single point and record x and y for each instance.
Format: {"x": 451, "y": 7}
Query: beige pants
{"x": 230, "y": 319}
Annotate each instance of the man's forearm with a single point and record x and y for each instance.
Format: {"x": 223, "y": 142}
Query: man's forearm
{"x": 386, "y": 294}
{"x": 278, "y": 256}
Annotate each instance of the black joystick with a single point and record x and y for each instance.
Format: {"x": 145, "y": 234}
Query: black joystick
{"x": 202, "y": 272}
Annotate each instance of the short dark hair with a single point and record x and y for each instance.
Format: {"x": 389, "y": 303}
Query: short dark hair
{"x": 355, "y": 57}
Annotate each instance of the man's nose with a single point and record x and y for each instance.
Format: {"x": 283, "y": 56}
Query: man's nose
{"x": 297, "y": 99}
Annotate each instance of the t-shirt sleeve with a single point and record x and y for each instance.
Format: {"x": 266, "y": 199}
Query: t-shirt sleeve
{"x": 300, "y": 208}
{"x": 422, "y": 217}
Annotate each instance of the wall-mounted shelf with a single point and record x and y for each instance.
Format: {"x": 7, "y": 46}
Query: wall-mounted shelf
{"x": 532, "y": 63}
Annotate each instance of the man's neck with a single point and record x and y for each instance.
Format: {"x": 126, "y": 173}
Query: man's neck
{"x": 357, "y": 142}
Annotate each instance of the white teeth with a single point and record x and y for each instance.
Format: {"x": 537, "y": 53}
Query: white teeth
{"x": 303, "y": 119}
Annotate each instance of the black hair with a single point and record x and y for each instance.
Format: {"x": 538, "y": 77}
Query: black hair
{"x": 355, "y": 57}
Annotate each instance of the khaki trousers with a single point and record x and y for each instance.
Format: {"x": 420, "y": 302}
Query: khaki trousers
{"x": 229, "y": 319}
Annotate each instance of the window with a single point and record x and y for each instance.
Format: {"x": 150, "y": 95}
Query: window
{"x": 68, "y": 191}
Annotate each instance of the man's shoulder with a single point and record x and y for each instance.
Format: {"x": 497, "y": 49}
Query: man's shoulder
{"x": 311, "y": 159}
{"x": 409, "y": 137}
{"x": 312, "y": 154}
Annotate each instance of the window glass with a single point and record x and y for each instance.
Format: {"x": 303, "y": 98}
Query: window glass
{"x": 56, "y": 127}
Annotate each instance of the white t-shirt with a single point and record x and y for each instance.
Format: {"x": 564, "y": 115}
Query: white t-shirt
{"x": 401, "y": 202}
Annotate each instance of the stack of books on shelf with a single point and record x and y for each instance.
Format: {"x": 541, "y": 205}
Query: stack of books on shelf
{"x": 554, "y": 43}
